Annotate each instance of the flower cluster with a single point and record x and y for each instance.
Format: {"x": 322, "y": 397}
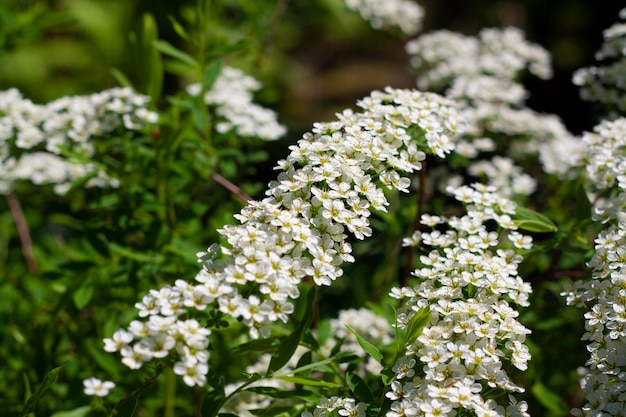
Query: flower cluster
{"x": 484, "y": 67}
{"x": 605, "y": 84}
{"x": 338, "y": 406}
{"x": 502, "y": 173}
{"x": 604, "y": 383}
{"x": 165, "y": 332}
{"x": 468, "y": 280}
{"x": 404, "y": 14}
{"x": 482, "y": 74}
{"x": 328, "y": 185}
{"x": 231, "y": 94}
{"x": 44, "y": 143}
{"x": 605, "y": 165}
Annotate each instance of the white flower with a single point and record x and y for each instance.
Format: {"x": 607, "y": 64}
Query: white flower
{"x": 94, "y": 386}
{"x": 404, "y": 14}
{"x": 39, "y": 132}
{"x": 232, "y": 95}
{"x": 193, "y": 372}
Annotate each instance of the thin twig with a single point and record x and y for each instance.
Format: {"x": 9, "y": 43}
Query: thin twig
{"x": 238, "y": 192}
{"x": 139, "y": 390}
{"x": 23, "y": 232}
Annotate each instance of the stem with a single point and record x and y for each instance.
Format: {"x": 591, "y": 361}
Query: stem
{"x": 170, "y": 394}
{"x": 23, "y": 232}
{"x": 140, "y": 390}
{"x": 197, "y": 403}
{"x": 238, "y": 192}
{"x": 421, "y": 201}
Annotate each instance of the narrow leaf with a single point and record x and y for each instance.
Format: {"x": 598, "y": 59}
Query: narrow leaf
{"x": 533, "y": 221}
{"x": 178, "y": 28}
{"x": 288, "y": 346}
{"x": 368, "y": 347}
{"x": 307, "y": 381}
{"x": 77, "y": 412}
{"x": 126, "y": 408}
{"x": 388, "y": 375}
{"x": 83, "y": 294}
{"x": 550, "y": 399}
{"x": 360, "y": 388}
{"x": 121, "y": 78}
{"x": 417, "y": 323}
{"x": 211, "y": 72}
{"x": 170, "y": 50}
{"x": 282, "y": 393}
{"x": 50, "y": 378}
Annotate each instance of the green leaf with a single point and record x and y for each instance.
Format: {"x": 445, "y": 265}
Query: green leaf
{"x": 49, "y": 380}
{"x": 121, "y": 78}
{"x": 388, "y": 375}
{"x": 417, "y": 323}
{"x": 211, "y": 72}
{"x": 322, "y": 365}
{"x": 178, "y": 28}
{"x": 533, "y": 221}
{"x": 133, "y": 254}
{"x": 98, "y": 243}
{"x": 368, "y": 347}
{"x": 583, "y": 205}
{"x": 105, "y": 360}
{"x": 282, "y": 393}
{"x": 152, "y": 67}
{"x": 169, "y": 50}
{"x": 273, "y": 411}
{"x": 257, "y": 345}
{"x": 360, "y": 388}
{"x": 215, "y": 398}
{"x": 83, "y": 294}
{"x": 550, "y": 399}
{"x": 288, "y": 346}
{"x": 307, "y": 381}
{"x": 126, "y": 408}
{"x": 77, "y": 412}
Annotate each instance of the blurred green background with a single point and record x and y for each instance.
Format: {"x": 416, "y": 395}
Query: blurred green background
{"x": 318, "y": 57}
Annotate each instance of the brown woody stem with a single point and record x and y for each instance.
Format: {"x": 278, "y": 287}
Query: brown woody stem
{"x": 238, "y": 192}
{"x": 23, "y": 232}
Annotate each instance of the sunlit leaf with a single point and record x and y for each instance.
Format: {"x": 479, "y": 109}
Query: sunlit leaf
{"x": 533, "y": 221}
{"x": 368, "y": 347}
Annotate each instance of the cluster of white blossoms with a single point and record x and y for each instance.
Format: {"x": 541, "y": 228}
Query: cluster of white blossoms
{"x": 605, "y": 84}
{"x": 329, "y": 182}
{"x": 403, "y": 14}
{"x": 604, "y": 296}
{"x": 482, "y": 74}
{"x": 43, "y": 143}
{"x": 232, "y": 94}
{"x": 468, "y": 280}
{"x": 477, "y": 67}
{"x": 338, "y": 407}
{"x": 502, "y": 173}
